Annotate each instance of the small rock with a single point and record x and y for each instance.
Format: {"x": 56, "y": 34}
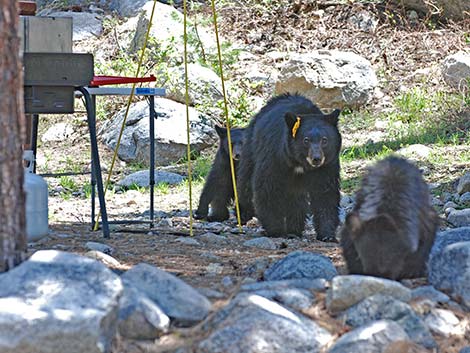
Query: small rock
{"x": 139, "y": 317}
{"x": 214, "y": 269}
{"x": 346, "y": 291}
{"x": 182, "y": 303}
{"x": 99, "y": 247}
{"x": 464, "y": 184}
{"x": 165, "y": 223}
{"x": 444, "y": 322}
{"x": 429, "y": 292}
{"x": 107, "y": 260}
{"x": 213, "y": 238}
{"x": 450, "y": 204}
{"x": 295, "y": 298}
{"x": 261, "y": 243}
{"x": 210, "y": 256}
{"x": 447, "y": 237}
{"x": 417, "y": 150}
{"x": 456, "y": 69}
{"x": 301, "y": 264}
{"x": 58, "y": 132}
{"x": 227, "y": 281}
{"x": 187, "y": 241}
{"x": 210, "y": 293}
{"x": 465, "y": 198}
{"x": 142, "y": 178}
{"x": 459, "y": 218}
{"x": 371, "y": 338}
{"x": 384, "y": 307}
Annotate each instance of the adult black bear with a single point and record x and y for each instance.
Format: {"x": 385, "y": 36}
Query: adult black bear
{"x": 218, "y": 189}
{"x": 290, "y": 165}
{"x": 391, "y": 229}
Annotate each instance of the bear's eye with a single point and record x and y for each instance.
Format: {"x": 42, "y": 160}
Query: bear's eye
{"x": 306, "y": 141}
{"x": 324, "y": 141}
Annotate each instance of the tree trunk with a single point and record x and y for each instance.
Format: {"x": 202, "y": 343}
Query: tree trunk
{"x": 12, "y": 130}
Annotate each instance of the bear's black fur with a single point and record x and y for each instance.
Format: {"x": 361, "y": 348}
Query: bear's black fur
{"x": 218, "y": 188}
{"x": 282, "y": 177}
{"x": 392, "y": 227}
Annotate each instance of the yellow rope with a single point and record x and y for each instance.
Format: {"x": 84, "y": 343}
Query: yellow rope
{"x": 129, "y": 101}
{"x": 187, "y": 121}
{"x": 232, "y": 166}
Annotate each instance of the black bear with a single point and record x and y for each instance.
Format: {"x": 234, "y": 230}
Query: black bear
{"x": 391, "y": 229}
{"x": 218, "y": 188}
{"x": 290, "y": 167}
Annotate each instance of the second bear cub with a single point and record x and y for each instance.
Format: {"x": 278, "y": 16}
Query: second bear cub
{"x": 218, "y": 189}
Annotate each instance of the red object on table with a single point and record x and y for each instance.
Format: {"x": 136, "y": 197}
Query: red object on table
{"x": 117, "y": 80}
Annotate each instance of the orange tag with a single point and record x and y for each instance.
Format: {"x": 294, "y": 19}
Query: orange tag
{"x": 295, "y": 127}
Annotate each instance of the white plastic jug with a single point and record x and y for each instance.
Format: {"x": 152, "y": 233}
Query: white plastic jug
{"x": 37, "y": 225}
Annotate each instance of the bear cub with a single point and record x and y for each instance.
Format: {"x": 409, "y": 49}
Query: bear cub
{"x": 391, "y": 229}
{"x": 290, "y": 168}
{"x": 218, "y": 188}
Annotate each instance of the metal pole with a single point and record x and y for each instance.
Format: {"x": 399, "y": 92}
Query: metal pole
{"x": 152, "y": 157}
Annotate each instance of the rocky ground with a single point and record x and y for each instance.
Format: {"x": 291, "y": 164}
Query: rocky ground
{"x": 219, "y": 258}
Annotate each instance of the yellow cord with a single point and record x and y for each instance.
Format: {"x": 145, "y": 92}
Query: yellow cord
{"x": 232, "y": 166}
{"x": 187, "y": 121}
{"x": 131, "y": 97}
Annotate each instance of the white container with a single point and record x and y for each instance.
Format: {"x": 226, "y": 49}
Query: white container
{"x": 37, "y": 225}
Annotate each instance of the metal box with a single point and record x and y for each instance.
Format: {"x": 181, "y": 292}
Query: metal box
{"x": 50, "y": 78}
{"x": 46, "y": 34}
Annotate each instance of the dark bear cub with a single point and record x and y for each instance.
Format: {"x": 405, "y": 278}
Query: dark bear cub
{"x": 392, "y": 227}
{"x": 290, "y": 167}
{"x": 218, "y": 189}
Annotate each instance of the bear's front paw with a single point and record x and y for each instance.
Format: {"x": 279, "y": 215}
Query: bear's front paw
{"x": 199, "y": 215}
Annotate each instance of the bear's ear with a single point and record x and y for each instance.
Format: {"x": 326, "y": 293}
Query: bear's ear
{"x": 332, "y": 118}
{"x": 221, "y": 131}
{"x": 290, "y": 119}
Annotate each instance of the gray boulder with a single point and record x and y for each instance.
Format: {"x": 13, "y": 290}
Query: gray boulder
{"x": 58, "y": 302}
{"x": 182, "y": 303}
{"x": 205, "y": 86}
{"x": 346, "y": 291}
{"x": 448, "y": 237}
{"x": 332, "y": 79}
{"x": 170, "y": 132}
{"x": 450, "y": 271}
{"x": 139, "y": 317}
{"x": 384, "y": 307}
{"x": 430, "y": 293}
{"x": 301, "y": 264}
{"x": 85, "y": 25}
{"x": 459, "y": 218}
{"x": 371, "y": 338}
{"x": 261, "y": 243}
{"x": 252, "y": 324}
{"x": 456, "y": 69}
{"x": 464, "y": 184}
{"x": 142, "y": 178}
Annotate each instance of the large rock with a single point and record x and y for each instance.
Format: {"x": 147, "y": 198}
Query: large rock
{"x": 332, "y": 79}
{"x": 384, "y": 307}
{"x": 205, "y": 86}
{"x": 346, "y": 291}
{"x": 456, "y": 69}
{"x": 253, "y": 324}
{"x": 58, "y": 302}
{"x": 139, "y": 317}
{"x": 454, "y": 9}
{"x": 371, "y": 338}
{"x": 450, "y": 271}
{"x": 301, "y": 264}
{"x": 182, "y": 303}
{"x": 170, "y": 132}
{"x": 448, "y": 237}
{"x": 85, "y": 25}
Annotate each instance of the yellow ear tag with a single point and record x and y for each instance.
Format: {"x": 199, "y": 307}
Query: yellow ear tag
{"x": 295, "y": 127}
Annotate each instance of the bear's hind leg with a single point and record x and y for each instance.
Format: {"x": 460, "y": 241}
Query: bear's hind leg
{"x": 296, "y": 213}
